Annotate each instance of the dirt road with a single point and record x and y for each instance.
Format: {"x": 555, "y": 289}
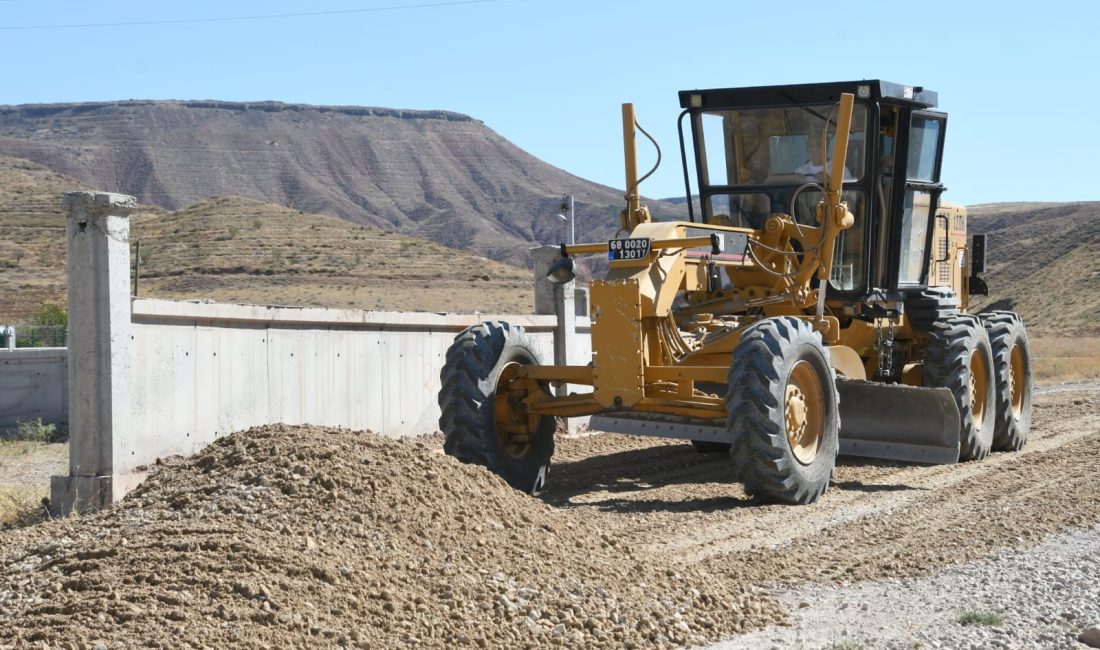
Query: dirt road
{"x": 307, "y": 536}
{"x": 877, "y": 518}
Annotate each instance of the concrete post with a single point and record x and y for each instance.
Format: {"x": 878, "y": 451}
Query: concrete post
{"x": 100, "y": 351}
{"x": 543, "y": 257}
{"x": 558, "y": 299}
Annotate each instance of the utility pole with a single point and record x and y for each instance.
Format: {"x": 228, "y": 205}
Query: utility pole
{"x": 568, "y": 215}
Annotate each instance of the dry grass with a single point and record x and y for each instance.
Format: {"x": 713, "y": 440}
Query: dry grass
{"x": 1058, "y": 358}
{"x": 1043, "y": 262}
{"x": 20, "y": 507}
{"x": 25, "y": 470}
{"x": 240, "y": 250}
{"x": 32, "y": 237}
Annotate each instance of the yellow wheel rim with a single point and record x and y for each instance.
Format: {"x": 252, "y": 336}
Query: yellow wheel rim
{"x": 979, "y": 386}
{"x": 516, "y": 427}
{"x": 1016, "y": 381}
{"x": 804, "y": 411}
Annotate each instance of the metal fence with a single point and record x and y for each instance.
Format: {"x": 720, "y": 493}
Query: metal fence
{"x": 37, "y": 336}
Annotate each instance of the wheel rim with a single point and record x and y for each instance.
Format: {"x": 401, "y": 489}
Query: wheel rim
{"x": 1016, "y": 381}
{"x": 516, "y": 428}
{"x": 804, "y": 410}
{"x": 979, "y": 386}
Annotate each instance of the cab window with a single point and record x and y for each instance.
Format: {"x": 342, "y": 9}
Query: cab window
{"x": 776, "y": 146}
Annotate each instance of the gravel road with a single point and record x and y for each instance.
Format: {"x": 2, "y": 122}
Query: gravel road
{"x": 305, "y": 536}
{"x": 1040, "y": 597}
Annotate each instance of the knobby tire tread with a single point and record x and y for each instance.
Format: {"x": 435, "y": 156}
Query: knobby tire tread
{"x": 947, "y": 365}
{"x": 1006, "y": 329}
{"x": 760, "y": 452}
{"x": 465, "y": 399}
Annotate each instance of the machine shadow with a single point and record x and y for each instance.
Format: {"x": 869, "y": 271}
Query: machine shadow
{"x": 644, "y": 470}
{"x": 862, "y": 461}
{"x": 634, "y": 472}
{"x": 859, "y": 486}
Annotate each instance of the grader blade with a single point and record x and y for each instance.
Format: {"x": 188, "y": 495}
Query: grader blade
{"x": 897, "y": 422}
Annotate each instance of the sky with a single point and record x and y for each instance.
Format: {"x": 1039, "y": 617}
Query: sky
{"x": 1020, "y": 81}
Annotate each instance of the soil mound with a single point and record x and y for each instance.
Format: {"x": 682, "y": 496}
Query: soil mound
{"x": 304, "y": 536}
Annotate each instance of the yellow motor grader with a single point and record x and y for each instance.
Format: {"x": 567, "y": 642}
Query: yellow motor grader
{"x": 813, "y": 304}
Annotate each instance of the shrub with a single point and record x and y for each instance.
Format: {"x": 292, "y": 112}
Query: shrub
{"x": 36, "y": 431}
{"x": 50, "y": 315}
{"x": 979, "y": 618}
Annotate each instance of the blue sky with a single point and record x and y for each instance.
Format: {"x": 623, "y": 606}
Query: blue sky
{"x": 1019, "y": 80}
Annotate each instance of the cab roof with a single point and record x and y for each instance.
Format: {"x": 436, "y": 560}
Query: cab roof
{"x": 818, "y": 93}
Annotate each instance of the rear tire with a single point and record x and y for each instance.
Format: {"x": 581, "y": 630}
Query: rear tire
{"x": 783, "y": 409}
{"x": 469, "y": 381}
{"x": 959, "y": 358}
{"x": 1012, "y": 372}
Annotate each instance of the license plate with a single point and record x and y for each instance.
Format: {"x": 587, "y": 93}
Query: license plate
{"x": 635, "y": 248}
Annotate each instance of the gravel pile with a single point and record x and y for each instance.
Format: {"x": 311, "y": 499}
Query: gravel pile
{"x": 303, "y": 536}
{"x": 1042, "y": 597}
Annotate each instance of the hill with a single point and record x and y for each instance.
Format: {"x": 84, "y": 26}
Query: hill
{"x": 1044, "y": 257}
{"x": 32, "y": 237}
{"x": 241, "y": 250}
{"x": 434, "y": 175}
{"x": 1044, "y": 262}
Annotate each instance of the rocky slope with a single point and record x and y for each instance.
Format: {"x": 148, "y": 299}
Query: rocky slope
{"x": 429, "y": 174}
{"x": 241, "y": 250}
{"x": 1044, "y": 261}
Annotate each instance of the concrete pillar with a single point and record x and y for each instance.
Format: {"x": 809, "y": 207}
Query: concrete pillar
{"x": 100, "y": 351}
{"x": 560, "y": 299}
{"x": 553, "y": 298}
{"x": 546, "y": 291}
{"x": 543, "y": 257}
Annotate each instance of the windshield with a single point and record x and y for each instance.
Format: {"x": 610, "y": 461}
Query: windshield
{"x": 751, "y": 209}
{"x": 775, "y": 146}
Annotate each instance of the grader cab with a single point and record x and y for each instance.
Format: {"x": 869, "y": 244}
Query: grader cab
{"x": 814, "y": 303}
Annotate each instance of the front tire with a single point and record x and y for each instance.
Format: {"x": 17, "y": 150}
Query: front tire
{"x": 783, "y": 410}
{"x": 959, "y": 358}
{"x": 483, "y": 415}
{"x": 1012, "y": 374}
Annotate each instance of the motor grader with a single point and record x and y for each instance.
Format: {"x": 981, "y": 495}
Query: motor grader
{"x": 813, "y": 304}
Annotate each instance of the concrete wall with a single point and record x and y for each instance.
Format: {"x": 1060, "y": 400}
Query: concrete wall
{"x": 33, "y": 384}
{"x": 154, "y": 378}
{"x": 203, "y": 370}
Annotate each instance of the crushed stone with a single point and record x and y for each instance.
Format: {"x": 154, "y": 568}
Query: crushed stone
{"x": 293, "y": 536}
